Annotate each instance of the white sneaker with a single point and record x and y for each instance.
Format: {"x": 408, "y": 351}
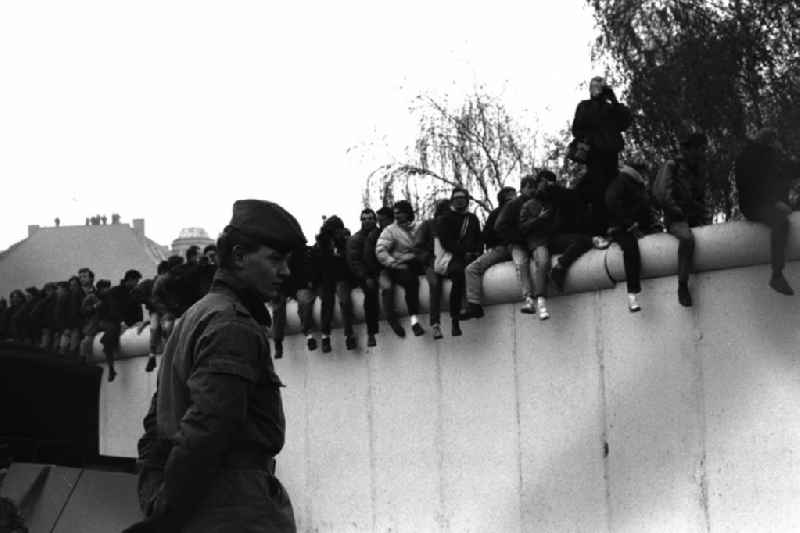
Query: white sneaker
{"x": 541, "y": 303}
{"x": 633, "y": 303}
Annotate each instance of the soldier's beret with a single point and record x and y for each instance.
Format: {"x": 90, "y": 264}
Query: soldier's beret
{"x": 268, "y": 223}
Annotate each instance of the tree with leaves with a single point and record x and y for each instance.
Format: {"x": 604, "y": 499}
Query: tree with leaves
{"x": 729, "y": 67}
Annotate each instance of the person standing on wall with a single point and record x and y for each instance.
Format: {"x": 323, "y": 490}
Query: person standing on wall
{"x": 764, "y": 177}
{"x": 681, "y": 190}
{"x": 599, "y": 122}
{"x": 216, "y": 421}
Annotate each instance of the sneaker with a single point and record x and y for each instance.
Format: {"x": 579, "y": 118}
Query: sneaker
{"x": 371, "y": 340}
{"x": 278, "y": 349}
{"x": 542, "y": 308}
{"x": 417, "y": 329}
{"x": 779, "y": 284}
{"x": 350, "y": 342}
{"x": 151, "y": 364}
{"x": 633, "y": 303}
{"x": 437, "y": 331}
{"x": 397, "y": 328}
{"x": 684, "y": 296}
{"x": 601, "y": 243}
{"x": 558, "y": 275}
{"x": 311, "y": 344}
{"x": 455, "y": 329}
{"x": 529, "y": 308}
{"x": 473, "y": 311}
{"x": 326, "y": 344}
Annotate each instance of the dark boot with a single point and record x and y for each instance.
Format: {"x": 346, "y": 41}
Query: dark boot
{"x": 455, "y": 328}
{"x": 311, "y": 344}
{"x": 397, "y": 328}
{"x": 278, "y": 349}
{"x": 684, "y": 296}
{"x": 326, "y": 344}
{"x": 371, "y": 340}
{"x": 151, "y": 364}
{"x": 473, "y": 311}
{"x": 350, "y": 342}
{"x": 417, "y": 329}
{"x": 779, "y": 284}
{"x": 558, "y": 275}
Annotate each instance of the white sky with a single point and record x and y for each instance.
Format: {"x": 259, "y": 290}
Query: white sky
{"x": 170, "y": 111}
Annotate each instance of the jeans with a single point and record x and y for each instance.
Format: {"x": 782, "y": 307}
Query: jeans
{"x": 475, "y": 271}
{"x": 456, "y": 293}
{"x": 632, "y": 259}
{"x": 683, "y": 233}
{"x": 778, "y": 223}
{"x": 329, "y": 290}
{"x": 305, "y": 310}
{"x": 522, "y": 264}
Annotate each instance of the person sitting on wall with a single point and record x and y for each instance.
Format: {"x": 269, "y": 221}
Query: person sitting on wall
{"x": 545, "y": 222}
{"x": 424, "y": 249}
{"x": 628, "y": 206}
{"x": 680, "y": 190}
{"x": 118, "y": 305}
{"x": 373, "y": 267}
{"x": 497, "y": 251}
{"x": 395, "y": 251}
{"x": 764, "y": 178}
{"x": 301, "y": 285}
{"x": 329, "y": 253}
{"x": 507, "y": 227}
{"x": 459, "y": 232}
{"x": 357, "y": 264}
{"x": 91, "y": 317}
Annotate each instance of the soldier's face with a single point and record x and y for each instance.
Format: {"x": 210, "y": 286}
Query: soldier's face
{"x": 264, "y": 270}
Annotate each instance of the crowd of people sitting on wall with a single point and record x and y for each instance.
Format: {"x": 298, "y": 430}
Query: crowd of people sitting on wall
{"x": 65, "y": 316}
{"x": 610, "y": 203}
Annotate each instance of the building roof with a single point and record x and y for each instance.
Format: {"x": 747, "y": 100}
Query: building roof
{"x": 56, "y": 253}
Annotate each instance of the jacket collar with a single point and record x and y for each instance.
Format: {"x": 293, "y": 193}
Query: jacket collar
{"x": 225, "y": 281}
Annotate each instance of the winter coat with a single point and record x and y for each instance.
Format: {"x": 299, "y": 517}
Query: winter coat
{"x": 600, "y": 124}
{"x": 448, "y": 228}
{"x": 372, "y": 267}
{"x": 627, "y": 199}
{"x": 763, "y": 177}
{"x": 395, "y": 245}
{"x": 685, "y": 191}
{"x": 507, "y": 224}
{"x": 423, "y": 242}
{"x": 490, "y": 236}
{"x": 328, "y": 255}
{"x": 357, "y": 253}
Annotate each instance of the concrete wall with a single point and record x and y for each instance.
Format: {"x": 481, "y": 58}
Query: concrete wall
{"x": 671, "y": 419}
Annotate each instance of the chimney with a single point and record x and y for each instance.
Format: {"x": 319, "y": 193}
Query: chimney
{"x": 32, "y": 228}
{"x": 138, "y": 227}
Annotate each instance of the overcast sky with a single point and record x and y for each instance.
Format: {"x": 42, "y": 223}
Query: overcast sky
{"x": 170, "y": 111}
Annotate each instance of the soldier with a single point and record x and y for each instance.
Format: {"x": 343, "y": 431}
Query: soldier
{"x": 216, "y": 421}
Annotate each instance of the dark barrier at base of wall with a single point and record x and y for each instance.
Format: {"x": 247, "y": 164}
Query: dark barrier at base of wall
{"x": 48, "y": 406}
